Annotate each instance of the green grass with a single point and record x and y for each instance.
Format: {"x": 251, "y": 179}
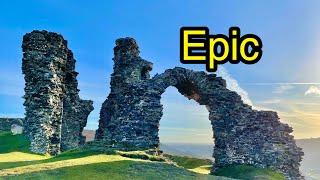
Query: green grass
{"x": 140, "y": 155}
{"x": 16, "y": 162}
{"x": 86, "y": 164}
{"x": 249, "y": 172}
{"x": 201, "y": 166}
{"x": 9, "y": 143}
{"x": 125, "y": 169}
{"x": 189, "y": 162}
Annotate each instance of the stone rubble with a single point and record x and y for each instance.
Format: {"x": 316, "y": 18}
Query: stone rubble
{"x": 16, "y": 129}
{"x": 129, "y": 117}
{"x": 55, "y": 115}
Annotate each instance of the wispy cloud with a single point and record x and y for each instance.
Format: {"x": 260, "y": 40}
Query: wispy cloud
{"x": 12, "y": 82}
{"x": 185, "y": 135}
{"x": 313, "y": 90}
{"x": 233, "y": 85}
{"x": 283, "y": 88}
{"x": 183, "y": 129}
{"x": 270, "y": 101}
{"x": 300, "y": 113}
{"x": 284, "y": 83}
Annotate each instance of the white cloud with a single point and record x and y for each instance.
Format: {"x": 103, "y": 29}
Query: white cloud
{"x": 233, "y": 85}
{"x": 282, "y": 88}
{"x": 313, "y": 90}
{"x": 262, "y": 108}
{"x": 284, "y": 83}
{"x": 270, "y": 101}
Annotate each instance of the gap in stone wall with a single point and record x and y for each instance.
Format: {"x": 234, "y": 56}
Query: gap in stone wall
{"x": 184, "y": 127}
{"x": 93, "y": 119}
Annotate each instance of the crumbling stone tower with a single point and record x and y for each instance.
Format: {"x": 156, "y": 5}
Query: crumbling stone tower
{"x": 130, "y": 116}
{"x": 55, "y": 114}
{"x": 129, "y": 70}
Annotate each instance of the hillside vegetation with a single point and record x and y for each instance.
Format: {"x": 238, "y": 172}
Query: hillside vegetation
{"x": 16, "y": 162}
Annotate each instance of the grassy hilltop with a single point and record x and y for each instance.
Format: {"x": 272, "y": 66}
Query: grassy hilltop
{"x": 16, "y": 162}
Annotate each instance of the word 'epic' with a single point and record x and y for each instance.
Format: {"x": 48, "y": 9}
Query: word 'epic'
{"x": 199, "y": 47}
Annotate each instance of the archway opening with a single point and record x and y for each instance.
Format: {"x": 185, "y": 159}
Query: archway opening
{"x": 185, "y": 128}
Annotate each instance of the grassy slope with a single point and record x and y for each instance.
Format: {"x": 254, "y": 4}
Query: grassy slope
{"x": 16, "y": 160}
{"x": 239, "y": 171}
{"x": 125, "y": 169}
{"x": 81, "y": 164}
{"x": 249, "y": 172}
{"x": 202, "y": 166}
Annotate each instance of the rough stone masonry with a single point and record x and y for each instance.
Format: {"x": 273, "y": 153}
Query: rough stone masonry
{"x": 55, "y": 114}
{"x": 129, "y": 118}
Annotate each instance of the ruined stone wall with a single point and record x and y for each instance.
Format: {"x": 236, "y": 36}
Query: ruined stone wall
{"x": 130, "y": 116}
{"x": 51, "y": 95}
{"x": 75, "y": 110}
{"x": 44, "y": 64}
{"x": 6, "y": 123}
{"x": 129, "y": 70}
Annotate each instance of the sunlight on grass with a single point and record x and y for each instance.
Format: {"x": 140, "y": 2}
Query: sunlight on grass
{"x": 64, "y": 163}
{"x": 20, "y": 156}
{"x": 17, "y": 162}
{"x": 201, "y": 166}
{"x": 202, "y": 169}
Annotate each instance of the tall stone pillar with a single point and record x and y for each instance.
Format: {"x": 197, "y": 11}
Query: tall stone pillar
{"x": 44, "y": 64}
{"x": 121, "y": 111}
{"x": 55, "y": 114}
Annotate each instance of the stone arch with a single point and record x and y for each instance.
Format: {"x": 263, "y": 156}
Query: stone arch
{"x": 242, "y": 135}
{"x": 228, "y": 115}
{"x": 130, "y": 116}
{"x": 184, "y": 121}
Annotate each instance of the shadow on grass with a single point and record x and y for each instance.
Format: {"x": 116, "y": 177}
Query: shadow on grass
{"x": 11, "y": 143}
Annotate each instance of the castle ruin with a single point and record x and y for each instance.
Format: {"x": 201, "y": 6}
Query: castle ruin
{"x": 130, "y": 116}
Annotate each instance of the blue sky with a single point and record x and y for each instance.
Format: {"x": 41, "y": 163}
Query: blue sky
{"x": 286, "y": 79}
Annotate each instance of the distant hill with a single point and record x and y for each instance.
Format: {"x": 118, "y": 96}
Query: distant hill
{"x": 203, "y": 151}
{"x": 89, "y": 134}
